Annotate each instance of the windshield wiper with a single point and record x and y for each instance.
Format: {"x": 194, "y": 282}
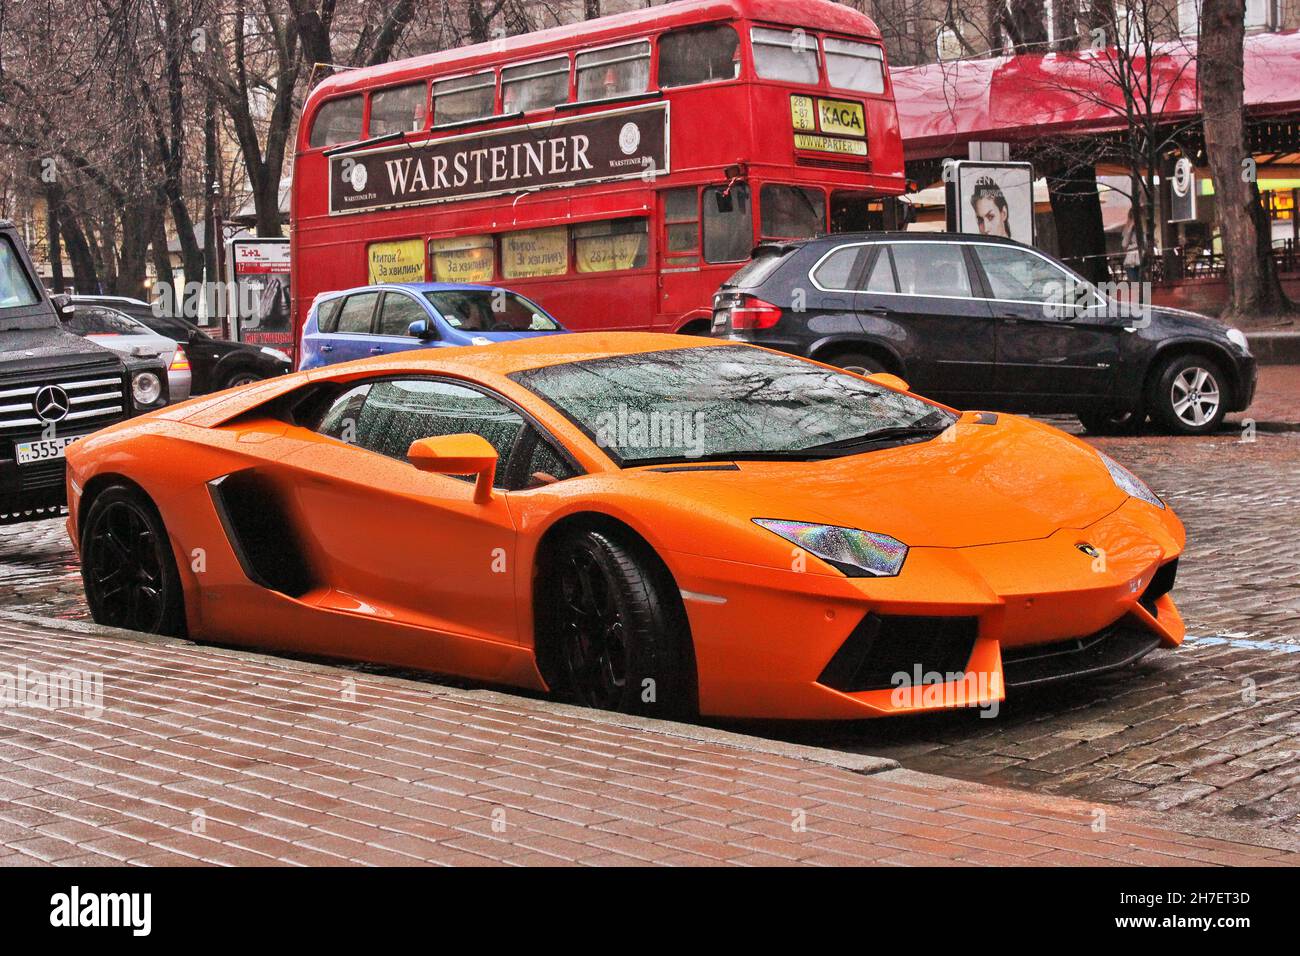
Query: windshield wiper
{"x": 895, "y": 433}
{"x": 785, "y": 454}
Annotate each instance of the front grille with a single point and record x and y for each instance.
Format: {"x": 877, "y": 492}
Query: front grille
{"x": 882, "y": 647}
{"x": 42, "y": 476}
{"x": 1116, "y": 646}
{"x": 93, "y": 400}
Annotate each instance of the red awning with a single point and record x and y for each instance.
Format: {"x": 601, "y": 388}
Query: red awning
{"x": 941, "y": 107}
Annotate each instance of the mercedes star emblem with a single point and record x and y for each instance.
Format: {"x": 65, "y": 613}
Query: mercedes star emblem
{"x": 51, "y": 404}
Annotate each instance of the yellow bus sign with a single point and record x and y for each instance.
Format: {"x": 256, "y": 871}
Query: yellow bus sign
{"x": 842, "y": 117}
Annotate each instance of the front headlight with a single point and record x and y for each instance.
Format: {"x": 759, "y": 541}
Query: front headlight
{"x": 1130, "y": 483}
{"x": 276, "y": 354}
{"x": 146, "y": 388}
{"x": 1238, "y": 338}
{"x": 857, "y": 553}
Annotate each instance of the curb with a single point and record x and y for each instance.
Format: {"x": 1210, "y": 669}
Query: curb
{"x": 1275, "y": 348}
{"x": 855, "y": 763}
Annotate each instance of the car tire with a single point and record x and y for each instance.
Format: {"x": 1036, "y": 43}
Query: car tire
{"x": 1189, "y": 395}
{"x": 614, "y": 628}
{"x": 127, "y": 565}
{"x": 241, "y": 376}
{"x": 1111, "y": 422}
{"x": 858, "y": 362}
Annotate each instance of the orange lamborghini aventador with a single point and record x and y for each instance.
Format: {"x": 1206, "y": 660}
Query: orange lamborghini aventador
{"x": 651, "y": 523}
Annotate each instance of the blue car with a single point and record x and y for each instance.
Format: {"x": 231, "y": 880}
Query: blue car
{"x": 382, "y": 319}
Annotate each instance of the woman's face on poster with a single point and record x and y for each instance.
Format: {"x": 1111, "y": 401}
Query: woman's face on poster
{"x": 992, "y": 220}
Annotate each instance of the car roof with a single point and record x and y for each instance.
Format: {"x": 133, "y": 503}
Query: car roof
{"x": 416, "y": 287}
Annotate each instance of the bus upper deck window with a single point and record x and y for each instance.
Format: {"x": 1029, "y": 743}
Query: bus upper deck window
{"x": 614, "y": 71}
{"x": 464, "y": 98}
{"x": 400, "y": 109}
{"x": 786, "y": 55}
{"x": 791, "y": 212}
{"x": 855, "y": 66}
{"x": 703, "y": 55}
{"x": 337, "y": 121}
{"x": 535, "y": 86}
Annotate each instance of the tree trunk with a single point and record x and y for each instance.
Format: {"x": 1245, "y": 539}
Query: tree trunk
{"x": 54, "y": 248}
{"x": 1254, "y": 292}
{"x": 1076, "y": 207}
{"x": 591, "y": 9}
{"x": 85, "y": 277}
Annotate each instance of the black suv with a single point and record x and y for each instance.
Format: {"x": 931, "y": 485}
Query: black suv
{"x": 55, "y": 387}
{"x": 976, "y": 321}
{"x": 214, "y": 363}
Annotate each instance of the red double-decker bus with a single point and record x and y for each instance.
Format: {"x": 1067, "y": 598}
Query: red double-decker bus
{"x": 616, "y": 170}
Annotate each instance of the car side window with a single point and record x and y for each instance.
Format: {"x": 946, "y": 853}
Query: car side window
{"x": 400, "y": 411}
{"x": 931, "y": 268}
{"x": 1022, "y": 276}
{"x": 327, "y": 316}
{"x": 398, "y": 312}
{"x": 836, "y": 270}
{"x": 340, "y": 419}
{"x": 355, "y": 314}
{"x": 881, "y": 277}
{"x": 545, "y": 465}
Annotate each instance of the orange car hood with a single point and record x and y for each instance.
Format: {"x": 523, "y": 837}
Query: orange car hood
{"x": 1013, "y": 481}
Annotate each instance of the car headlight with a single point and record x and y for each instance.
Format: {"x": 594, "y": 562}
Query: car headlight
{"x": 857, "y": 553}
{"x": 1130, "y": 483}
{"x": 276, "y": 354}
{"x": 146, "y": 388}
{"x": 1238, "y": 338}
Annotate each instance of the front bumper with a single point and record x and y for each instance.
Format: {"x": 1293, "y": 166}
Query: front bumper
{"x": 955, "y": 629}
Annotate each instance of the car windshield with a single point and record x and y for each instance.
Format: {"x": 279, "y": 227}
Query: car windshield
{"x": 85, "y": 321}
{"x": 727, "y": 401}
{"x": 490, "y": 310}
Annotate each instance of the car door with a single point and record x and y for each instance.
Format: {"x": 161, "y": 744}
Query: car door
{"x": 1049, "y": 353}
{"x": 392, "y": 332}
{"x": 397, "y": 543}
{"x": 923, "y": 295}
{"x": 352, "y": 336}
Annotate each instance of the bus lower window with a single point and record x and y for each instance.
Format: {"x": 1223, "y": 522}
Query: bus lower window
{"x": 535, "y": 86}
{"x": 464, "y": 98}
{"x": 785, "y": 55}
{"x": 705, "y": 55}
{"x": 535, "y": 252}
{"x": 614, "y": 71}
{"x": 791, "y": 212}
{"x": 610, "y": 246}
{"x": 854, "y": 66}
{"x": 337, "y": 121}
{"x": 463, "y": 259}
{"x": 681, "y": 220}
{"x": 728, "y": 224}
{"x": 400, "y": 109}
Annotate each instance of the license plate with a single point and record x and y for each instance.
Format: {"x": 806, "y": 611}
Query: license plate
{"x": 43, "y": 449}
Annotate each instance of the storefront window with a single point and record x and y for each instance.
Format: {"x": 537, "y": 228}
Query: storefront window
{"x": 705, "y": 55}
{"x": 791, "y": 212}
{"x": 786, "y": 55}
{"x": 535, "y": 86}
{"x": 855, "y": 66}
{"x": 337, "y": 121}
{"x": 463, "y": 259}
{"x": 464, "y": 98}
{"x": 610, "y": 246}
{"x": 614, "y": 71}
{"x": 401, "y": 109}
{"x": 535, "y": 252}
{"x": 728, "y": 224}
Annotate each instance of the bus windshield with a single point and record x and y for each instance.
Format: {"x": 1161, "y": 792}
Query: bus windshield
{"x": 490, "y": 310}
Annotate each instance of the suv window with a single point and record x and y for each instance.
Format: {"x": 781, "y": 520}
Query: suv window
{"x": 398, "y": 312}
{"x": 701, "y": 55}
{"x": 16, "y": 289}
{"x": 92, "y": 321}
{"x": 354, "y": 317}
{"x": 1022, "y": 276}
{"x": 931, "y": 268}
{"x": 728, "y": 225}
{"x": 836, "y": 270}
{"x": 881, "y": 278}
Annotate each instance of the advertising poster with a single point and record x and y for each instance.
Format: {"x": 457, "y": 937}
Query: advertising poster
{"x": 992, "y": 199}
{"x": 400, "y": 261}
{"x": 260, "y": 272}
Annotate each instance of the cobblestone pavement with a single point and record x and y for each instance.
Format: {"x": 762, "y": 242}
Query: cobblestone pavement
{"x": 1212, "y": 728}
{"x": 196, "y": 755}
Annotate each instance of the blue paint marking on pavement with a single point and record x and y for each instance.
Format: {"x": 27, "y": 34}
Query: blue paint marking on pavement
{"x": 1210, "y": 640}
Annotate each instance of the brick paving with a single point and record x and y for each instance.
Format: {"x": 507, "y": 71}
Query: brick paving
{"x": 204, "y": 756}
{"x": 1211, "y": 729}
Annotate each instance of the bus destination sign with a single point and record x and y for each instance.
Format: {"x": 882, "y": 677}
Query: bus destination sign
{"x": 616, "y": 144}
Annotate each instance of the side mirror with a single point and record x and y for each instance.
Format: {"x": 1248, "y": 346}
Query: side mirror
{"x": 63, "y": 305}
{"x": 422, "y": 329}
{"x": 889, "y": 381}
{"x": 457, "y": 455}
